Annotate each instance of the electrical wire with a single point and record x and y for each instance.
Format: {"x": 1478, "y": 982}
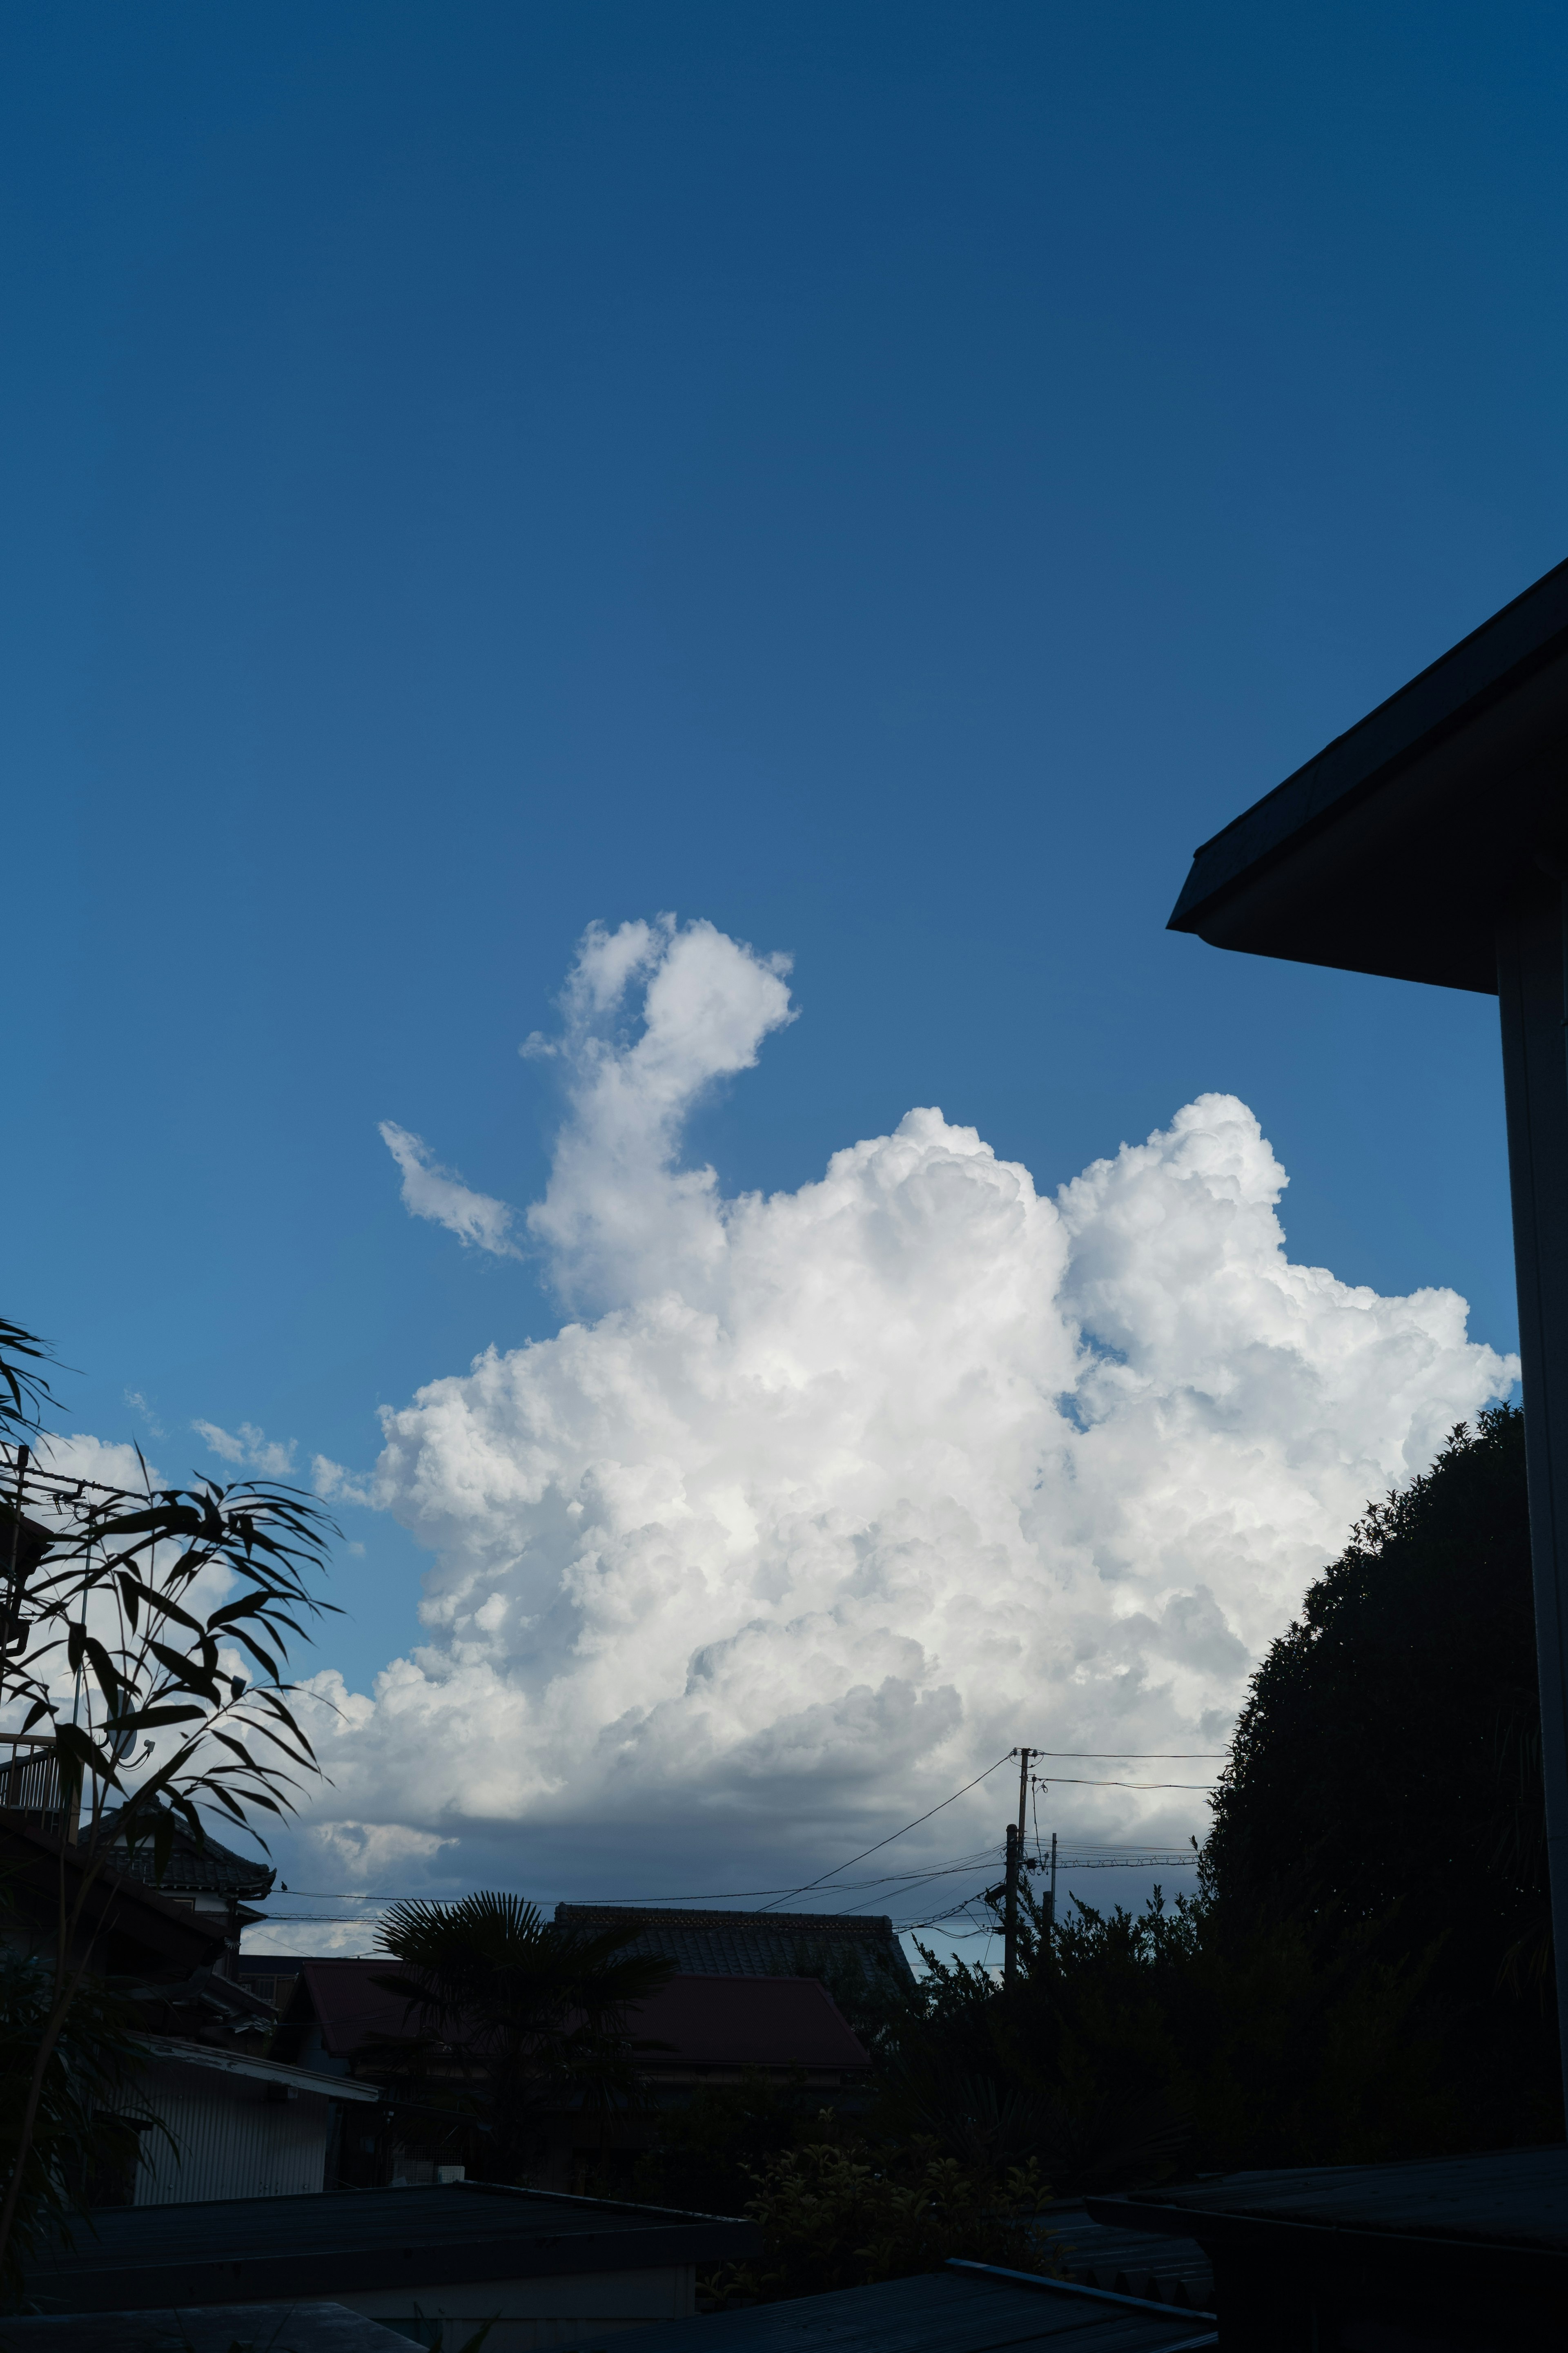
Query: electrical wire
{"x": 899, "y": 1883}
{"x": 780, "y": 1894}
{"x": 1081, "y": 1856}
{"x": 919, "y": 1876}
{"x": 1084, "y": 1858}
{"x": 1072, "y": 1781}
{"x": 903, "y": 1882}
{"x": 854, "y": 1859}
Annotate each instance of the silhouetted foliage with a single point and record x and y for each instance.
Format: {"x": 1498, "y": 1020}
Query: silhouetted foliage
{"x": 708, "y": 2150}
{"x": 834, "y": 2212}
{"x": 107, "y": 1654}
{"x": 1133, "y": 2048}
{"x": 508, "y": 2012}
{"x": 1383, "y": 1792}
{"x": 113, "y": 1664}
{"x": 81, "y": 2135}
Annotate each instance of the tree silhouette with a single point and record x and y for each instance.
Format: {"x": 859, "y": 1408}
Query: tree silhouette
{"x": 524, "y": 2013}
{"x": 1385, "y": 1779}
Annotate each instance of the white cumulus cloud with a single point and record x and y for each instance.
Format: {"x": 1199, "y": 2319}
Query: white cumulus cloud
{"x": 837, "y": 1495}
{"x": 112, "y": 1462}
{"x": 440, "y": 1194}
{"x": 616, "y": 1205}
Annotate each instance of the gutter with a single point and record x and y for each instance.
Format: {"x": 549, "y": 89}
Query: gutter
{"x": 265, "y": 2071}
{"x": 1048, "y": 2284}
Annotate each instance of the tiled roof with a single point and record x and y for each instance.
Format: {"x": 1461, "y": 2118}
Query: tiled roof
{"x": 1131, "y": 2263}
{"x": 210, "y": 1869}
{"x": 753, "y": 1943}
{"x": 708, "y": 2022}
{"x": 350, "y": 2008}
{"x": 745, "y": 2021}
{"x": 142, "y": 1931}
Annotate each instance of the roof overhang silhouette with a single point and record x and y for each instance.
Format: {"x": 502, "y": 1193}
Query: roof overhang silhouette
{"x": 1401, "y": 847}
{"x": 1430, "y": 843}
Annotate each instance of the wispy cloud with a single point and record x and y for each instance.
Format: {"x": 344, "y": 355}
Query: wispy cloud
{"x": 336, "y": 1485}
{"x": 440, "y": 1194}
{"x": 141, "y": 1408}
{"x": 250, "y": 1446}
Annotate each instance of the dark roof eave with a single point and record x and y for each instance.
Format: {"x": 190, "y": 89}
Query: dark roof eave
{"x": 1507, "y": 2203}
{"x": 1399, "y": 848}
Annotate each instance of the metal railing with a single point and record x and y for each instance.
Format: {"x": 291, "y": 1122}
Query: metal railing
{"x": 30, "y": 1784}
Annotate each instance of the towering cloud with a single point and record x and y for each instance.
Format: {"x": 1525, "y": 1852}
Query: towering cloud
{"x": 833, "y": 1496}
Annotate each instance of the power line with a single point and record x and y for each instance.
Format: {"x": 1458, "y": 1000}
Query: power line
{"x": 779, "y": 1895}
{"x": 1097, "y": 1859}
{"x": 854, "y": 1859}
{"x": 722, "y": 1896}
{"x": 919, "y": 1876}
{"x": 1074, "y": 1781}
{"x": 902, "y": 1880}
{"x": 1083, "y": 1858}
{"x": 984, "y": 1925}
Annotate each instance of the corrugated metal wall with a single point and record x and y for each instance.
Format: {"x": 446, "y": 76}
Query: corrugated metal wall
{"x": 230, "y": 2147}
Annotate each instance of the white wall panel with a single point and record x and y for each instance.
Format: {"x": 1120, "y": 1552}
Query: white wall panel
{"x": 229, "y": 2145}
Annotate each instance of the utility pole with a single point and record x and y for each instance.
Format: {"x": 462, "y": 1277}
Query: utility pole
{"x": 1010, "y": 1915}
{"x": 1014, "y": 1859}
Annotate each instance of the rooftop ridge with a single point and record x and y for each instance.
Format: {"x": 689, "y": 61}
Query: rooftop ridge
{"x": 748, "y": 1944}
{"x": 878, "y": 1924}
{"x": 207, "y": 1867}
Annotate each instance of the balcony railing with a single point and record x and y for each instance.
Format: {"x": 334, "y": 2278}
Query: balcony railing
{"x": 30, "y": 1784}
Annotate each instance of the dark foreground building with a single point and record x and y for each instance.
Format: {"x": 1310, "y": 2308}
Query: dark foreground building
{"x": 1429, "y": 843}
{"x": 1454, "y": 2254}
{"x": 541, "y": 2270}
{"x": 965, "y": 2309}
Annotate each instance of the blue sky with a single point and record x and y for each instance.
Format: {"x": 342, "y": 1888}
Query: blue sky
{"x": 887, "y": 480}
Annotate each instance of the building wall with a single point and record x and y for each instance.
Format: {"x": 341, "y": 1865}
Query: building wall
{"x": 231, "y": 2145}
